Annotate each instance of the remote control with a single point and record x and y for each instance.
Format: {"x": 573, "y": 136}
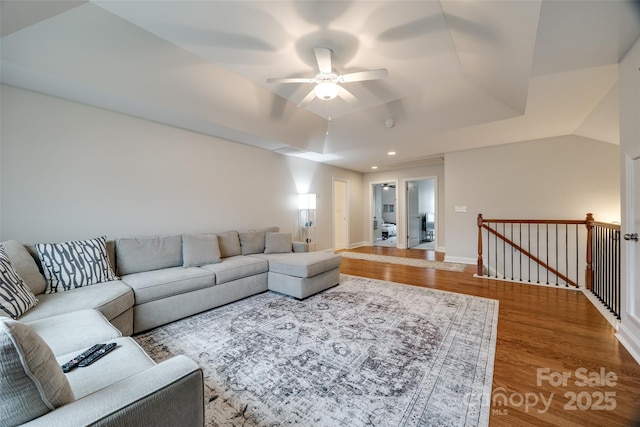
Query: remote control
{"x": 97, "y": 355}
{"x": 71, "y": 364}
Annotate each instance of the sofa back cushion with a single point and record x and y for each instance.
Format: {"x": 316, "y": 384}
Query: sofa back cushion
{"x": 32, "y": 382}
{"x": 253, "y": 241}
{"x": 200, "y": 249}
{"x": 229, "y": 244}
{"x": 136, "y": 254}
{"x": 25, "y": 265}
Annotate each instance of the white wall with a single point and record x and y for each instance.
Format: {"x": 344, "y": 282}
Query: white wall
{"x": 554, "y": 178}
{"x": 629, "y": 330}
{"x": 70, "y": 171}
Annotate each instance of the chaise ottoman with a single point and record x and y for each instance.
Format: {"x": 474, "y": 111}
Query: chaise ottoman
{"x": 301, "y": 275}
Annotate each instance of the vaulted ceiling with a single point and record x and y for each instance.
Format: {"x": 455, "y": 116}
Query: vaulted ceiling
{"x": 462, "y": 74}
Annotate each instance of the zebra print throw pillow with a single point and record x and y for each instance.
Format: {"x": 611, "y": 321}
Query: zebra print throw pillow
{"x": 71, "y": 265}
{"x": 15, "y": 296}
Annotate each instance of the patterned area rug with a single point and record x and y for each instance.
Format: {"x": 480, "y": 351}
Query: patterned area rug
{"x": 365, "y": 352}
{"x": 413, "y": 262}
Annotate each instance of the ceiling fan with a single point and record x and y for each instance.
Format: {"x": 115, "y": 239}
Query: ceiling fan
{"x": 328, "y": 80}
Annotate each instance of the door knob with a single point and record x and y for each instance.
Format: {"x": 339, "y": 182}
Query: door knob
{"x": 632, "y": 236}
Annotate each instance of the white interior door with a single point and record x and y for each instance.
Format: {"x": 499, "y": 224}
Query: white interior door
{"x": 414, "y": 218}
{"x": 340, "y": 215}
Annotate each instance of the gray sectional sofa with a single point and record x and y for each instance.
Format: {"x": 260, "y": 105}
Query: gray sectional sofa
{"x": 159, "y": 279}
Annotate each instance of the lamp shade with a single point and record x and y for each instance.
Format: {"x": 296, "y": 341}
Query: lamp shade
{"x": 326, "y": 90}
{"x": 307, "y": 201}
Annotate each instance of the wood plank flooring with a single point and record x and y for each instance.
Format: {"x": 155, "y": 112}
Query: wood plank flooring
{"x": 557, "y": 361}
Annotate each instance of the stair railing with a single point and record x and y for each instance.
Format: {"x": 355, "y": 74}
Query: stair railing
{"x": 553, "y": 252}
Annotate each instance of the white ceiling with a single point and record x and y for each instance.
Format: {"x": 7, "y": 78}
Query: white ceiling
{"x": 462, "y": 74}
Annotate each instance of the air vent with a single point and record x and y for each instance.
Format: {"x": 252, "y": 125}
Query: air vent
{"x": 290, "y": 151}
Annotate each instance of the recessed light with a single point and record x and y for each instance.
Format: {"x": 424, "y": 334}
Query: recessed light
{"x": 391, "y": 153}
{"x": 374, "y": 167}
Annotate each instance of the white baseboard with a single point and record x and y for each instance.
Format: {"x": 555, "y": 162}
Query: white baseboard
{"x": 629, "y": 336}
{"x": 359, "y": 245}
{"x": 460, "y": 259}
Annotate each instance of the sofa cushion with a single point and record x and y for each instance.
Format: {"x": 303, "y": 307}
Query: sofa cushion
{"x": 136, "y": 254}
{"x": 229, "y": 244}
{"x": 110, "y": 298}
{"x": 157, "y": 284}
{"x": 124, "y": 361}
{"x": 305, "y": 264}
{"x": 200, "y": 249}
{"x": 32, "y": 382}
{"x": 71, "y": 265}
{"x": 252, "y": 242}
{"x": 237, "y": 267}
{"x": 25, "y": 265}
{"x": 74, "y": 331}
{"x": 15, "y": 296}
{"x": 276, "y": 243}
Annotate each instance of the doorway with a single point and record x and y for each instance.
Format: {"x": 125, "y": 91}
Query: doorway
{"x": 385, "y": 214}
{"x": 340, "y": 215}
{"x": 421, "y": 213}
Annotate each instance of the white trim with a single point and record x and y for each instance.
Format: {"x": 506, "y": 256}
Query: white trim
{"x": 440, "y": 248}
{"x": 627, "y": 335}
{"x": 359, "y": 245}
{"x": 436, "y": 207}
{"x": 460, "y": 259}
{"x": 613, "y": 321}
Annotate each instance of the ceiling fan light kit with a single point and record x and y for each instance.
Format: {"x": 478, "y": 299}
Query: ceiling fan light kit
{"x": 326, "y": 90}
{"x": 328, "y": 79}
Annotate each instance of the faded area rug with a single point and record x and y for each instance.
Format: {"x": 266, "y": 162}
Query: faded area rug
{"x": 413, "y": 262}
{"x": 364, "y": 353}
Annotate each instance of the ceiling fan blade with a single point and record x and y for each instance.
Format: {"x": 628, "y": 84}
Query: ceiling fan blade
{"x": 323, "y": 57}
{"x": 307, "y": 99}
{"x": 347, "y": 96}
{"x": 291, "y": 80}
{"x": 360, "y": 76}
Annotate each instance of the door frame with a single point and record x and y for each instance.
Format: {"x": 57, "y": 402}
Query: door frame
{"x": 372, "y": 210}
{"x": 629, "y": 328}
{"x": 405, "y": 208}
{"x": 346, "y": 210}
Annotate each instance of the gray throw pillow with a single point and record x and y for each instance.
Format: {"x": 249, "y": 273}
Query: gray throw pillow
{"x": 200, "y": 249}
{"x": 71, "y": 265}
{"x": 15, "y": 296}
{"x": 252, "y": 242}
{"x": 32, "y": 382}
{"x": 278, "y": 243}
{"x": 229, "y": 244}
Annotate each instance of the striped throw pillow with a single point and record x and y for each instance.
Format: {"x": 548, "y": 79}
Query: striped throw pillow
{"x": 71, "y": 265}
{"x": 15, "y": 296}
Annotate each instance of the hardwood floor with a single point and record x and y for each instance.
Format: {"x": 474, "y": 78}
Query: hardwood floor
{"x": 544, "y": 334}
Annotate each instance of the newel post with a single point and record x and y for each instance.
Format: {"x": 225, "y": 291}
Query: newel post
{"x": 588, "y": 274}
{"x": 480, "y": 269}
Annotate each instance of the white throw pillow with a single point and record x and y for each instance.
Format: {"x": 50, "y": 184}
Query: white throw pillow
{"x": 15, "y": 296}
{"x": 71, "y": 265}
